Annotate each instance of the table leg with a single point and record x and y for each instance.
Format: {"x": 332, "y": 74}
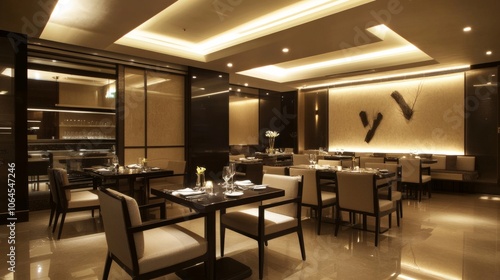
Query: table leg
{"x": 210, "y": 234}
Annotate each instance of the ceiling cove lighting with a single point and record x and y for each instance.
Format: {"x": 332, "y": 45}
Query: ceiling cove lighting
{"x": 292, "y": 15}
{"x": 405, "y": 75}
{"x": 391, "y": 50}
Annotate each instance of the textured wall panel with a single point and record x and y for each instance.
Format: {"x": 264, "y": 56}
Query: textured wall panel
{"x": 436, "y": 124}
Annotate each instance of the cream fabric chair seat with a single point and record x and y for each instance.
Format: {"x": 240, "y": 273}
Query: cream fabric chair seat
{"x": 146, "y": 250}
{"x": 245, "y": 220}
{"x": 83, "y": 199}
{"x": 167, "y": 246}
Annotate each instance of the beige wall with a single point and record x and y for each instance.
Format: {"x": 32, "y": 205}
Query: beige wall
{"x": 244, "y": 122}
{"x": 437, "y": 125}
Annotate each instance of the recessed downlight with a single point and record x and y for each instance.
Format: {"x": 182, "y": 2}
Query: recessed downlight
{"x": 229, "y": 64}
{"x": 285, "y": 50}
{"x": 467, "y": 29}
{"x": 489, "y": 52}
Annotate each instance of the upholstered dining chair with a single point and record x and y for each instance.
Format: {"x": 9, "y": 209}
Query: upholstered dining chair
{"x": 330, "y": 162}
{"x": 313, "y": 196}
{"x": 67, "y": 200}
{"x": 364, "y": 160}
{"x": 278, "y": 170}
{"x": 150, "y": 249}
{"x": 411, "y": 175}
{"x": 395, "y": 195}
{"x": 357, "y": 192}
{"x": 272, "y": 219}
{"x": 299, "y": 159}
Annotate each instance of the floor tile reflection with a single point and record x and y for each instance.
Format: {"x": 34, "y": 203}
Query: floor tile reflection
{"x": 450, "y": 236}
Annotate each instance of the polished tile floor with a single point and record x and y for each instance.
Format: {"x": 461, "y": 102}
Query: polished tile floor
{"x": 450, "y": 236}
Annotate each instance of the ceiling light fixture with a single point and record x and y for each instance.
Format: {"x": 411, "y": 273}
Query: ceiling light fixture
{"x": 489, "y": 52}
{"x": 467, "y": 29}
{"x": 285, "y": 50}
{"x": 229, "y": 64}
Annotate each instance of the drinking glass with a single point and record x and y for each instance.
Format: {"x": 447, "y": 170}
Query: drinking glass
{"x": 232, "y": 167}
{"x": 226, "y": 175}
{"x": 114, "y": 162}
{"x": 312, "y": 159}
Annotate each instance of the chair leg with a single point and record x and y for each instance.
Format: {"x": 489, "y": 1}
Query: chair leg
{"x": 319, "y": 214}
{"x": 397, "y": 216}
{"x": 261, "y": 259}
{"x": 301, "y": 243}
{"x": 377, "y": 229}
{"x": 107, "y": 267}
{"x": 338, "y": 221}
{"x": 400, "y": 205}
{"x": 52, "y": 212}
{"x": 55, "y": 221}
{"x": 61, "y": 226}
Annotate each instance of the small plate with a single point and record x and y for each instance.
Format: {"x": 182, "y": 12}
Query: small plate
{"x": 233, "y": 193}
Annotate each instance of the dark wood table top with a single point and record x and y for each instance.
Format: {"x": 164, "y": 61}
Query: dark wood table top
{"x": 212, "y": 202}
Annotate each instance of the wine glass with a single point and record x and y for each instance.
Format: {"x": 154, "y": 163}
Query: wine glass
{"x": 312, "y": 160}
{"x": 226, "y": 175}
{"x": 114, "y": 162}
{"x": 232, "y": 167}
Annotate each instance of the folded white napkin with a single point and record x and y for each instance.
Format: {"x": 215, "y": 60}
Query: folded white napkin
{"x": 243, "y": 183}
{"x": 102, "y": 169}
{"x": 259, "y": 187}
{"x": 187, "y": 191}
{"x": 135, "y": 165}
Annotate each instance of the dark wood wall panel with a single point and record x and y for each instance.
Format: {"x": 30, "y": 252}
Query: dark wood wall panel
{"x": 208, "y": 135}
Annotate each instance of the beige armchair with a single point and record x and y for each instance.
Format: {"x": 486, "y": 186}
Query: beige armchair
{"x": 395, "y": 195}
{"x": 274, "y": 218}
{"x": 411, "y": 175}
{"x": 299, "y": 159}
{"x": 66, "y": 200}
{"x": 150, "y": 249}
{"x": 313, "y": 196}
{"x": 357, "y": 192}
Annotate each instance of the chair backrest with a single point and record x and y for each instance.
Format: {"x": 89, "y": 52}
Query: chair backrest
{"x": 278, "y": 170}
{"x": 329, "y": 162}
{"x": 288, "y": 150}
{"x": 293, "y": 189}
{"x": 466, "y": 163}
{"x": 299, "y": 159}
{"x": 53, "y": 189}
{"x": 390, "y": 166}
{"x": 440, "y": 164}
{"x": 346, "y": 163}
{"x": 309, "y": 185}
{"x": 364, "y": 160}
{"x": 410, "y": 170}
{"x": 179, "y": 167}
{"x": 119, "y": 212}
{"x": 61, "y": 180}
{"x": 357, "y": 191}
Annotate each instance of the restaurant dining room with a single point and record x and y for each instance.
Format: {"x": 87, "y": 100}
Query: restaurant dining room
{"x": 335, "y": 139}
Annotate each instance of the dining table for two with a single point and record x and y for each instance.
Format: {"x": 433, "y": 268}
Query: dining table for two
{"x": 209, "y": 202}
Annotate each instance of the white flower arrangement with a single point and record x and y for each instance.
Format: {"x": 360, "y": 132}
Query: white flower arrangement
{"x": 272, "y": 134}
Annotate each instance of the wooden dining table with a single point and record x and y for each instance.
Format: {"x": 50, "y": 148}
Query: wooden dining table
{"x": 210, "y": 203}
{"x": 131, "y": 175}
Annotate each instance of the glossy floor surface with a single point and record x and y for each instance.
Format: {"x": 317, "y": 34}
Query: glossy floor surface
{"x": 450, "y": 236}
